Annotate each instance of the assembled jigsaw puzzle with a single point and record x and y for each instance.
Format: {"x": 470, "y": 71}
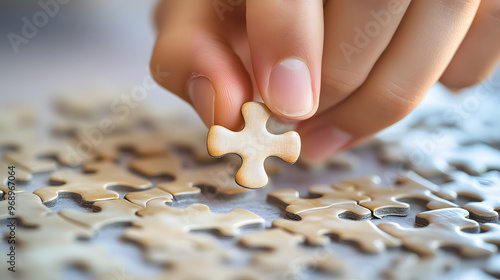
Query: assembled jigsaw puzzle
{"x": 144, "y": 205}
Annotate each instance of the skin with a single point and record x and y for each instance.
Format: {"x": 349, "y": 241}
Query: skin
{"x": 343, "y": 70}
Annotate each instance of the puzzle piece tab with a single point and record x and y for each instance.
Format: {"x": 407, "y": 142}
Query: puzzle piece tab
{"x": 384, "y": 199}
{"x": 142, "y": 198}
{"x": 445, "y": 228}
{"x": 314, "y": 225}
{"x": 253, "y": 144}
{"x": 19, "y": 175}
{"x": 413, "y": 267}
{"x": 108, "y": 212}
{"x": 92, "y": 187}
{"x": 166, "y": 229}
{"x": 485, "y": 188}
{"x": 296, "y": 206}
{"x": 143, "y": 144}
{"x": 188, "y": 181}
{"x": 282, "y": 250}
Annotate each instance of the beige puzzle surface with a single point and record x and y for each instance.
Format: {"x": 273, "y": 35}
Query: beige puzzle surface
{"x": 19, "y": 174}
{"x": 447, "y": 228}
{"x": 485, "y": 188}
{"x": 187, "y": 181}
{"x": 93, "y": 186}
{"x": 107, "y": 212}
{"x": 296, "y": 205}
{"x": 283, "y": 254}
{"x": 153, "y": 205}
{"x": 142, "y": 198}
{"x": 384, "y": 199}
{"x": 166, "y": 228}
{"x": 412, "y": 267}
{"x": 253, "y": 144}
{"x": 314, "y": 225}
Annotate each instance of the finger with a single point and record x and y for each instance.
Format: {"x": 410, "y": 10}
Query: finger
{"x": 411, "y": 64}
{"x": 356, "y": 34}
{"x": 286, "y": 44}
{"x": 192, "y": 59}
{"x": 479, "y": 54}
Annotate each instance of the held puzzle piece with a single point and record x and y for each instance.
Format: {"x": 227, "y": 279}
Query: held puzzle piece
{"x": 314, "y": 225}
{"x": 283, "y": 254}
{"x": 253, "y": 144}
{"x": 485, "y": 188}
{"x": 92, "y": 187}
{"x": 384, "y": 199}
{"x": 445, "y": 228}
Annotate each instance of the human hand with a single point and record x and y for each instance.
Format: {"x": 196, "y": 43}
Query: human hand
{"x": 372, "y": 61}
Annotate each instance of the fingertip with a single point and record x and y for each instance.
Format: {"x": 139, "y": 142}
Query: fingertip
{"x": 321, "y": 141}
{"x": 290, "y": 92}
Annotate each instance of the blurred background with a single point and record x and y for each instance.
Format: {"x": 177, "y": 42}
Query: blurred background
{"x": 83, "y": 47}
{"x": 75, "y": 47}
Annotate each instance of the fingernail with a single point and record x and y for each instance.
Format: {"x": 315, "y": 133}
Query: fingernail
{"x": 290, "y": 90}
{"x": 321, "y": 143}
{"x": 202, "y": 95}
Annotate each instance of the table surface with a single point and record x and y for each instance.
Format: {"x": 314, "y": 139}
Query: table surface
{"x": 107, "y": 46}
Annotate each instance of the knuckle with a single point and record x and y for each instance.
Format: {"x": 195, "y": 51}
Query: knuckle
{"x": 402, "y": 99}
{"x": 493, "y": 10}
{"x": 340, "y": 83}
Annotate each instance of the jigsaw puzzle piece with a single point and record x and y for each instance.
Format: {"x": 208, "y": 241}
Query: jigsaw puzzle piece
{"x": 485, "y": 188}
{"x": 92, "y": 186}
{"x": 107, "y": 212}
{"x": 344, "y": 159}
{"x": 296, "y": 205}
{"x": 13, "y": 119}
{"x": 384, "y": 199}
{"x": 141, "y": 143}
{"x": 16, "y": 173}
{"x": 28, "y": 209}
{"x": 43, "y": 157}
{"x": 51, "y": 230}
{"x": 49, "y": 262}
{"x": 314, "y": 225}
{"x": 475, "y": 159}
{"x": 282, "y": 249}
{"x": 209, "y": 264}
{"x": 253, "y": 144}
{"x": 142, "y": 198}
{"x": 493, "y": 266}
{"x": 188, "y": 181}
{"x": 413, "y": 267}
{"x": 447, "y": 228}
{"x": 199, "y": 217}
{"x": 162, "y": 229}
